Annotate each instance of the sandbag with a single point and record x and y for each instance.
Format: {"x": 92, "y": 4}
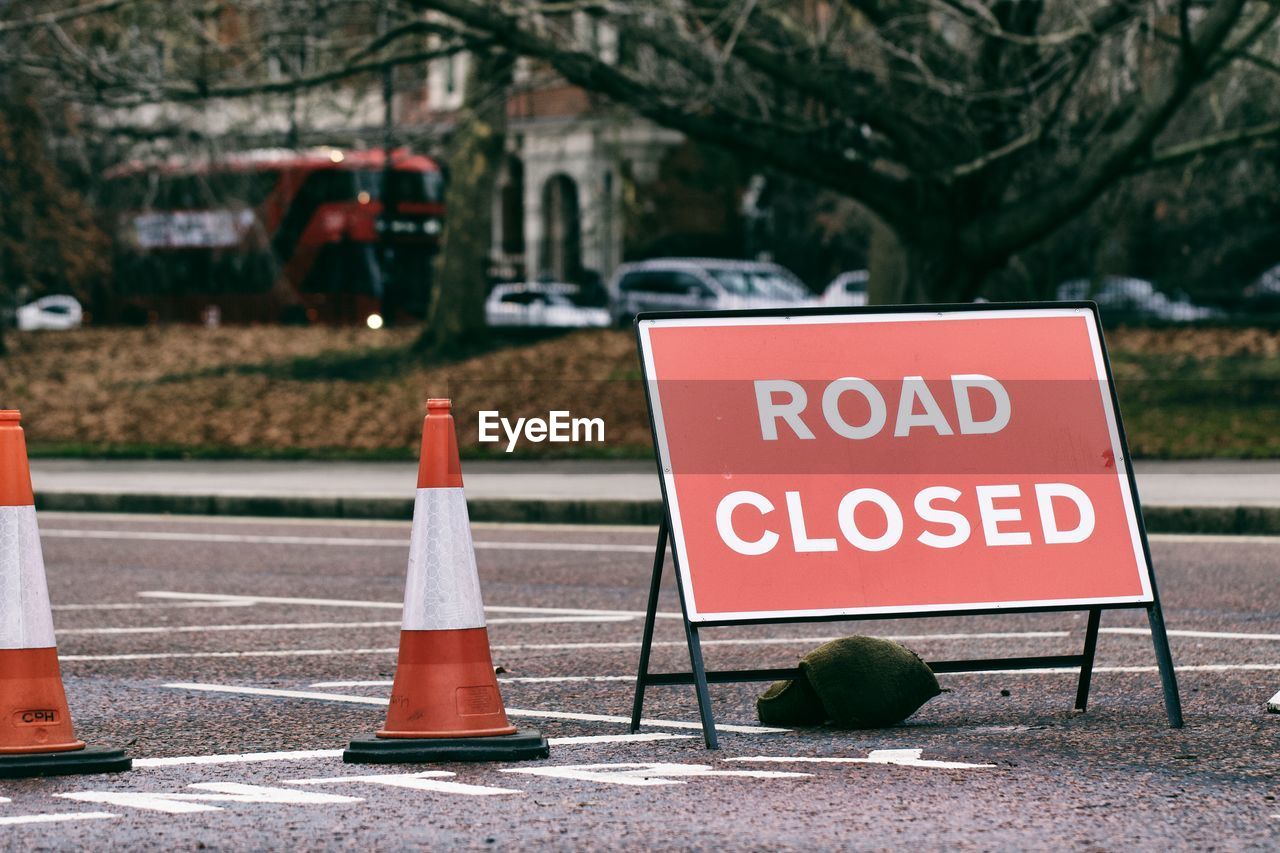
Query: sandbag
{"x": 791, "y": 703}
{"x": 867, "y": 682}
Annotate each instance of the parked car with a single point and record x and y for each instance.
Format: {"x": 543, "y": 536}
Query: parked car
{"x": 54, "y": 312}
{"x": 541, "y": 304}
{"x": 1122, "y": 298}
{"x": 1263, "y": 294}
{"x": 848, "y": 288}
{"x": 686, "y": 284}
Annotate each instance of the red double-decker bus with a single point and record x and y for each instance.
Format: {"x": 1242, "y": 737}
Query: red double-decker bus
{"x": 321, "y": 236}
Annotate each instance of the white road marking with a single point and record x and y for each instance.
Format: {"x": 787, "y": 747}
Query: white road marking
{"x": 198, "y": 629}
{"x": 901, "y": 757}
{"x": 511, "y": 712}
{"x": 1206, "y": 635}
{"x": 330, "y": 541}
{"x": 65, "y": 515}
{"x": 552, "y": 679}
{"x": 1274, "y": 705}
{"x": 1058, "y": 670}
{"x": 319, "y": 754}
{"x": 380, "y": 605}
{"x": 149, "y": 606}
{"x": 17, "y": 820}
{"x": 427, "y": 780}
{"x": 642, "y": 737}
{"x": 320, "y": 626}
{"x": 221, "y": 792}
{"x": 239, "y": 758}
{"x": 5, "y": 800}
{"x": 645, "y": 774}
{"x": 266, "y": 653}
{"x": 1216, "y": 538}
{"x": 527, "y": 647}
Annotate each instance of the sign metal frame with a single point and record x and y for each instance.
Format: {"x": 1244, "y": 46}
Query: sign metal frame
{"x": 700, "y": 677}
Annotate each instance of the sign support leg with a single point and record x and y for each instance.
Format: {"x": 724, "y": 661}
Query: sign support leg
{"x": 1086, "y": 665}
{"x": 700, "y": 685}
{"x": 1168, "y": 680}
{"x": 650, "y": 617}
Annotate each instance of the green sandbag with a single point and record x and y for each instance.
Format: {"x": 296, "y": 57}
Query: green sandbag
{"x": 791, "y": 703}
{"x": 867, "y": 683}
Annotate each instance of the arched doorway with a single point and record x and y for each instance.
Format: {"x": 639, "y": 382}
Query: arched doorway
{"x": 513, "y": 208}
{"x": 561, "y": 255}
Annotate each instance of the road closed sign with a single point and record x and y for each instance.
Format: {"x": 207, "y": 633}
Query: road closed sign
{"x": 819, "y": 464}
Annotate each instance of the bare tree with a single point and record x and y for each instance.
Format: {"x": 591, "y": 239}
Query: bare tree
{"x": 455, "y": 312}
{"x": 970, "y": 128}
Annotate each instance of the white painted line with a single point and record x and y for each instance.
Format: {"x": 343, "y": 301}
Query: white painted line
{"x": 642, "y": 737}
{"x": 139, "y": 606}
{"x": 427, "y": 780}
{"x": 319, "y": 754}
{"x": 566, "y": 679}
{"x": 18, "y": 820}
{"x": 644, "y": 775}
{"x": 230, "y": 599}
{"x": 1274, "y": 705}
{"x": 1215, "y": 538}
{"x": 268, "y": 653}
{"x": 1206, "y": 635}
{"x": 900, "y": 757}
{"x": 221, "y": 792}
{"x": 527, "y": 647}
{"x": 199, "y": 629}
{"x": 240, "y": 758}
{"x": 511, "y": 712}
{"x": 553, "y": 679}
{"x": 1058, "y": 670}
{"x": 5, "y": 800}
{"x": 346, "y": 684}
{"x": 328, "y": 541}
{"x": 672, "y": 724}
{"x": 378, "y": 523}
{"x": 321, "y": 626}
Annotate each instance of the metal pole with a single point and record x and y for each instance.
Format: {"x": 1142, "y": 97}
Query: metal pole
{"x": 1086, "y": 667}
{"x": 1168, "y": 679}
{"x": 650, "y": 617}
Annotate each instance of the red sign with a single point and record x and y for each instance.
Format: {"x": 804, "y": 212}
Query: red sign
{"x": 872, "y": 463}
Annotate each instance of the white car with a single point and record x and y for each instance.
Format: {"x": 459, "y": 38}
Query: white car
{"x": 1123, "y": 298}
{"x": 538, "y": 304}
{"x": 702, "y": 284}
{"x": 848, "y": 288}
{"x": 54, "y": 312}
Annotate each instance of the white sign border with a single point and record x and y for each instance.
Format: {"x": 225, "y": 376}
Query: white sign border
{"x": 679, "y": 550}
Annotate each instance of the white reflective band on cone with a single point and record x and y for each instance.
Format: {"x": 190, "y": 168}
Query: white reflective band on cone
{"x": 442, "y": 592}
{"x": 26, "y": 622}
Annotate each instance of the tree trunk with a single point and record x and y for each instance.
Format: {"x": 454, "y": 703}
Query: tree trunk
{"x": 905, "y": 272}
{"x": 455, "y": 311}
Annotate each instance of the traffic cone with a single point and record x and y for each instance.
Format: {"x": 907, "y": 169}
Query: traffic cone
{"x": 36, "y": 737}
{"x": 445, "y": 704}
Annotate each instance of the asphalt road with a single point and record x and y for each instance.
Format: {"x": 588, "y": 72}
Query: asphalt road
{"x": 197, "y": 643}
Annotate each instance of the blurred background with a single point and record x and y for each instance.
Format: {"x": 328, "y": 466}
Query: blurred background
{"x": 221, "y": 222}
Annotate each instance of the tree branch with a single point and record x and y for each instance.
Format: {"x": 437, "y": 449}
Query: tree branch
{"x": 1174, "y": 154}
{"x": 797, "y": 152}
{"x": 47, "y": 18}
{"x": 176, "y": 94}
{"x": 1038, "y": 212}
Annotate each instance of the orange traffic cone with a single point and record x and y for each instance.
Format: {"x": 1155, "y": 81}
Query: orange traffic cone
{"x": 445, "y": 704}
{"x": 36, "y": 738}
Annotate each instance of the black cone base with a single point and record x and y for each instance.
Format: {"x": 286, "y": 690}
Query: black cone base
{"x": 70, "y": 763}
{"x": 524, "y": 745}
